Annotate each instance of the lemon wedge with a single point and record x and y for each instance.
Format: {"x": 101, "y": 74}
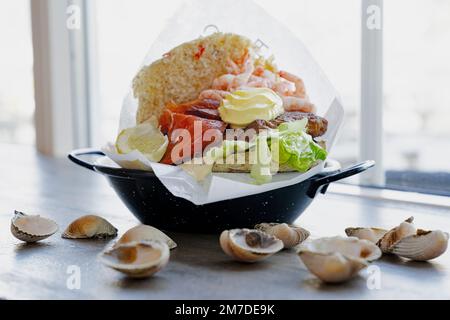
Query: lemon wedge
{"x": 145, "y": 138}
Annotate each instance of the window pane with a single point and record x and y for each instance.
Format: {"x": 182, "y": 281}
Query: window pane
{"x": 126, "y": 30}
{"x": 416, "y": 95}
{"x": 16, "y": 76}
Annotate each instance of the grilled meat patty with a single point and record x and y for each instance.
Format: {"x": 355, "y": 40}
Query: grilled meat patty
{"x": 317, "y": 126}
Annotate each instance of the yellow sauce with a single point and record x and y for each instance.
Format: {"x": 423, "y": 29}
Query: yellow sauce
{"x": 242, "y": 107}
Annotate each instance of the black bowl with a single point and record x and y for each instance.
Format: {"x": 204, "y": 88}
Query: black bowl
{"x": 149, "y": 200}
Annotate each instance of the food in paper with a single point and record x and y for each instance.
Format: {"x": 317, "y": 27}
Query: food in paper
{"x": 215, "y": 91}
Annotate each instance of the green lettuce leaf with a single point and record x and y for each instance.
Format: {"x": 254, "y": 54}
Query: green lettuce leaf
{"x": 297, "y": 148}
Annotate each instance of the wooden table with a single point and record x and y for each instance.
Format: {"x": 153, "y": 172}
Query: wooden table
{"x": 198, "y": 269}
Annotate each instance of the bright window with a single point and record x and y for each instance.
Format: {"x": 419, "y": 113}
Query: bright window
{"x": 125, "y": 31}
{"x": 416, "y": 95}
{"x": 16, "y": 76}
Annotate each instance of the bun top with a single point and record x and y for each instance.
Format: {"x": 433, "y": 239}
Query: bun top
{"x": 185, "y": 71}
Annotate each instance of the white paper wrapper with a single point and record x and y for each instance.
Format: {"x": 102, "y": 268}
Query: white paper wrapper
{"x": 203, "y": 17}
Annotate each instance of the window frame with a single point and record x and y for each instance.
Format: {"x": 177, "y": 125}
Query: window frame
{"x": 63, "y": 98}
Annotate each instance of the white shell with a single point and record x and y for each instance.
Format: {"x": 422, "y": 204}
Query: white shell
{"x": 405, "y": 229}
{"x": 337, "y": 259}
{"x": 248, "y": 245}
{"x": 405, "y": 240}
{"x": 423, "y": 246}
{"x": 30, "y": 228}
{"x": 145, "y": 232}
{"x": 88, "y": 227}
{"x": 137, "y": 259}
{"x": 290, "y": 235}
{"x": 371, "y": 234}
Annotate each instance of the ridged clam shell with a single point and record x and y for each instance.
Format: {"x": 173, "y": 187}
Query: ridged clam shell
{"x": 423, "y": 246}
{"x": 89, "y": 227}
{"x": 32, "y": 228}
{"x": 405, "y": 229}
{"x": 291, "y": 235}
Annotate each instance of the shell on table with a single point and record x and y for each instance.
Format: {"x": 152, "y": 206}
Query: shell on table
{"x": 145, "y": 232}
{"x": 405, "y": 240}
{"x": 337, "y": 259}
{"x": 32, "y": 228}
{"x": 405, "y": 229}
{"x": 290, "y": 235}
{"x": 137, "y": 259}
{"x": 90, "y": 227}
{"x": 249, "y": 245}
{"x": 371, "y": 234}
{"x": 422, "y": 246}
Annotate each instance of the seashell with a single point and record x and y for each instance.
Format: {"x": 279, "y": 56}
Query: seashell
{"x": 371, "y": 234}
{"x": 248, "y": 245}
{"x": 89, "y": 227}
{"x": 137, "y": 259}
{"x": 290, "y": 235}
{"x": 32, "y": 228}
{"x": 145, "y": 232}
{"x": 405, "y": 229}
{"x": 337, "y": 259}
{"x": 423, "y": 246}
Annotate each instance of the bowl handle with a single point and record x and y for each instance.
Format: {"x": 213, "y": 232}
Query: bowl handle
{"x": 339, "y": 175}
{"x": 74, "y": 156}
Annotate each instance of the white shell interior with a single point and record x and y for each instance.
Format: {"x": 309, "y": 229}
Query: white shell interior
{"x": 36, "y": 225}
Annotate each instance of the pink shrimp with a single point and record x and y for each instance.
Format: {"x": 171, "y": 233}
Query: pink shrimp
{"x": 291, "y": 103}
{"x": 258, "y": 82}
{"x": 212, "y": 94}
{"x": 230, "y": 82}
{"x": 284, "y": 88}
{"x": 300, "y": 91}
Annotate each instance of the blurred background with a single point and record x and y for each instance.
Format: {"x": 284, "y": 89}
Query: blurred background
{"x": 415, "y": 83}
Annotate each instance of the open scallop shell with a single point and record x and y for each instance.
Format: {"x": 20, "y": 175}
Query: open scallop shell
{"x": 88, "y": 227}
{"x": 371, "y": 234}
{"x": 291, "y": 235}
{"x": 337, "y": 259}
{"x": 145, "y": 232}
{"x": 248, "y": 245}
{"x": 32, "y": 228}
{"x": 137, "y": 259}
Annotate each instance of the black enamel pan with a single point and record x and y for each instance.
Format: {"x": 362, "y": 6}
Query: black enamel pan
{"x": 148, "y": 199}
